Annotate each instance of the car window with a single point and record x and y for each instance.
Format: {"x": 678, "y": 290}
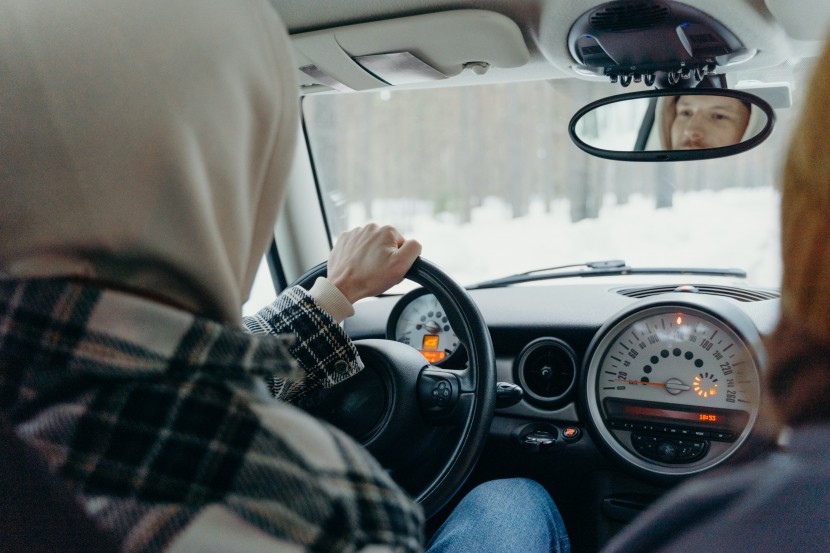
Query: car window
{"x": 487, "y": 179}
{"x": 262, "y": 292}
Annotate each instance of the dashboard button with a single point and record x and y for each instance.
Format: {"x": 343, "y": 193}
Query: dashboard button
{"x": 666, "y": 451}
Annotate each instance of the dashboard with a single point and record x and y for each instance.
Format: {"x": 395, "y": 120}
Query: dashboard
{"x": 663, "y": 381}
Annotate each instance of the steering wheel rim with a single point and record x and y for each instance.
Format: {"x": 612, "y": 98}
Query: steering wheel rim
{"x": 480, "y": 376}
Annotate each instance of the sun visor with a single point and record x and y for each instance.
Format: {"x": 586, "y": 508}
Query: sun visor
{"x": 804, "y": 20}
{"x": 407, "y": 50}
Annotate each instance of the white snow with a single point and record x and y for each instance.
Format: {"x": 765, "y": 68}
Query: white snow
{"x": 731, "y": 228}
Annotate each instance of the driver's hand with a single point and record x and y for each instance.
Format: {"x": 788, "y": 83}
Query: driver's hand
{"x": 369, "y": 260}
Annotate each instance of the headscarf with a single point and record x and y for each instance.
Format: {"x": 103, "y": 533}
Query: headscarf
{"x": 799, "y": 348}
{"x": 144, "y": 145}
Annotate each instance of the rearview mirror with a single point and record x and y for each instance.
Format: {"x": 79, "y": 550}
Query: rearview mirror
{"x": 672, "y": 125}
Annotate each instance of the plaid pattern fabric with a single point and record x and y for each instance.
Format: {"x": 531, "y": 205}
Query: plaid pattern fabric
{"x": 155, "y": 415}
{"x": 325, "y": 353}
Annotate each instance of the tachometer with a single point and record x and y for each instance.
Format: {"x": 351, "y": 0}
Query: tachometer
{"x": 418, "y": 320}
{"x": 674, "y": 388}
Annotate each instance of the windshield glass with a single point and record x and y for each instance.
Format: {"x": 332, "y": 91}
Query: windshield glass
{"x": 487, "y": 179}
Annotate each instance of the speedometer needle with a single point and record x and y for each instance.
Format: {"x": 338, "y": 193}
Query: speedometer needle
{"x": 660, "y": 384}
{"x": 672, "y": 385}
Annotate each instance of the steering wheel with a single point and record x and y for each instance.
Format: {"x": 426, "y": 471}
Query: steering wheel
{"x": 425, "y": 424}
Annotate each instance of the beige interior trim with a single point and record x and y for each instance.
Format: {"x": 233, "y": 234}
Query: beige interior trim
{"x": 446, "y": 41}
{"x": 810, "y": 21}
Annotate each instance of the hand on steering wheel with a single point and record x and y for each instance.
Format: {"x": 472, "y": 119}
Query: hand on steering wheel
{"x": 405, "y": 420}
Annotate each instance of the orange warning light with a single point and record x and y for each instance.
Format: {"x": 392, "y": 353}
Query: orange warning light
{"x": 430, "y": 342}
{"x": 679, "y": 320}
{"x": 433, "y": 356}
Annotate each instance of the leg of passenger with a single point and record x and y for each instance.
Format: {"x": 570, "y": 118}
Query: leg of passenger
{"x": 503, "y": 516}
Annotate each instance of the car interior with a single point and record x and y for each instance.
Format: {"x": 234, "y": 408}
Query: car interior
{"x": 608, "y": 361}
{"x": 591, "y": 303}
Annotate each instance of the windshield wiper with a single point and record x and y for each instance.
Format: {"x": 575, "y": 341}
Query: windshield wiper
{"x": 609, "y": 267}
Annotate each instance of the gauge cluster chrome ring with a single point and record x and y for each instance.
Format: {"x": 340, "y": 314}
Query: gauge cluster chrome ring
{"x": 672, "y": 384}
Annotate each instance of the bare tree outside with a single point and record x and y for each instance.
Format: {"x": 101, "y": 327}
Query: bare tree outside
{"x": 452, "y": 148}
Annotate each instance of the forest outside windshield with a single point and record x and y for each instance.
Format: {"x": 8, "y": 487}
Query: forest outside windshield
{"x": 487, "y": 179}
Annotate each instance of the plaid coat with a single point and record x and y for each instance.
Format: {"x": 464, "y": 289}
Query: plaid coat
{"x": 163, "y": 423}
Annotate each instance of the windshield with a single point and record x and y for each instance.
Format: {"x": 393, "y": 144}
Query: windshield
{"x": 487, "y": 179}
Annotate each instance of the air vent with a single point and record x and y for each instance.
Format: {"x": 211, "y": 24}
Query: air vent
{"x": 629, "y": 16}
{"x": 740, "y": 294}
{"x": 546, "y": 370}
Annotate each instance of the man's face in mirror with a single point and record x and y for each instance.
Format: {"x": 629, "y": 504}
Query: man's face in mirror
{"x": 708, "y": 122}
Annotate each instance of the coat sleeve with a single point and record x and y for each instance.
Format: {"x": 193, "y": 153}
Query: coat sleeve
{"x": 321, "y": 346}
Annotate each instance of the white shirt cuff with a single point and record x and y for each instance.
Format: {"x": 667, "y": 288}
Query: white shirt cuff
{"x": 330, "y": 299}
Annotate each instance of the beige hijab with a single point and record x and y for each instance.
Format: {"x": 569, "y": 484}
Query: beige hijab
{"x": 144, "y": 144}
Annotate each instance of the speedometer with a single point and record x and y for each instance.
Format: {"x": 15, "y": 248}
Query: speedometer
{"x": 420, "y": 321}
{"x": 674, "y": 388}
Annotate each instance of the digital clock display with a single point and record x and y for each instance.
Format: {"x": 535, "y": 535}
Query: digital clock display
{"x": 651, "y": 412}
{"x": 667, "y": 413}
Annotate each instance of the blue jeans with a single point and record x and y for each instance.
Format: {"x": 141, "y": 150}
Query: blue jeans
{"x": 514, "y": 515}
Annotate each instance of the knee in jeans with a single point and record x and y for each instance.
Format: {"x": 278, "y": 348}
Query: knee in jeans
{"x": 512, "y": 491}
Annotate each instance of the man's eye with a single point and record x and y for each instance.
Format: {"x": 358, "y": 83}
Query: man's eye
{"x": 684, "y": 113}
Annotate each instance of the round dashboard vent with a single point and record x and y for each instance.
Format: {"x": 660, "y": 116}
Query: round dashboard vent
{"x": 546, "y": 370}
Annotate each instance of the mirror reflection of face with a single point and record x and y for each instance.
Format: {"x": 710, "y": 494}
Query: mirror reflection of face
{"x": 708, "y": 122}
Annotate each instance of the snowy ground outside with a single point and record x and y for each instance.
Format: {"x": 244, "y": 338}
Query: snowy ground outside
{"x": 715, "y": 229}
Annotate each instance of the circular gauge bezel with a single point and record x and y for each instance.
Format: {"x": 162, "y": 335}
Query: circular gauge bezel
{"x": 713, "y": 309}
{"x": 405, "y": 301}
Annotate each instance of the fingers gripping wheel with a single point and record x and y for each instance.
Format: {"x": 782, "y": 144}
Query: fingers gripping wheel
{"x": 421, "y": 401}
